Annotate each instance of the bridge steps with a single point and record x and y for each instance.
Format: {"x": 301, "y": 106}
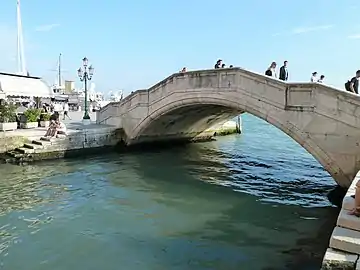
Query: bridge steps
{"x": 25, "y": 154}
{"x": 348, "y": 221}
{"x": 336, "y": 259}
{"x": 344, "y": 246}
{"x": 346, "y": 240}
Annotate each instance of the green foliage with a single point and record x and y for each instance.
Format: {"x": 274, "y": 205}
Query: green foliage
{"x": 7, "y": 113}
{"x": 45, "y": 117}
{"x": 32, "y": 115}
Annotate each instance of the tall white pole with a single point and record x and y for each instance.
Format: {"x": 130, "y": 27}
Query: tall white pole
{"x": 20, "y": 44}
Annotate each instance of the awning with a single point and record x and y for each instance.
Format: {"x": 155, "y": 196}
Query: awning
{"x": 23, "y": 86}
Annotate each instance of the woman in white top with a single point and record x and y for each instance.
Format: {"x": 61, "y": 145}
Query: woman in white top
{"x": 313, "y": 77}
{"x": 271, "y": 71}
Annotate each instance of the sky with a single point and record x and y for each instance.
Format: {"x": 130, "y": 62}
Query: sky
{"x": 134, "y": 44}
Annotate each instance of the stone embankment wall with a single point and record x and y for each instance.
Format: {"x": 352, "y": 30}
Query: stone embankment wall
{"x": 222, "y": 129}
{"x": 344, "y": 246}
{"x": 8, "y": 143}
{"x": 18, "y": 149}
{"x": 77, "y": 142}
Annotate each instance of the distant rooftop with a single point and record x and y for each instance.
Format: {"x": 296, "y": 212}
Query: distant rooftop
{"x": 18, "y": 75}
{"x": 14, "y": 85}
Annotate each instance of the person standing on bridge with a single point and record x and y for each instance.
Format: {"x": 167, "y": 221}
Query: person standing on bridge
{"x": 353, "y": 84}
{"x": 284, "y": 75}
{"x": 313, "y": 77}
{"x": 271, "y": 71}
{"x": 322, "y": 78}
{"x": 218, "y": 64}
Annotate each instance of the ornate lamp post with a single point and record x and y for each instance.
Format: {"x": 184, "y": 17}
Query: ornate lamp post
{"x": 85, "y": 74}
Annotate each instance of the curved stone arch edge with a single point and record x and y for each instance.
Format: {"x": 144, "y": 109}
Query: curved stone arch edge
{"x": 303, "y": 139}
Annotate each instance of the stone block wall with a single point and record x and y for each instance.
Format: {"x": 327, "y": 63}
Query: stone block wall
{"x": 10, "y": 143}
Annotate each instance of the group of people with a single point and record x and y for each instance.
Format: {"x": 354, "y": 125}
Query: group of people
{"x": 315, "y": 79}
{"x": 58, "y": 108}
{"x": 55, "y": 127}
{"x": 351, "y": 85}
{"x": 220, "y": 64}
{"x": 284, "y": 74}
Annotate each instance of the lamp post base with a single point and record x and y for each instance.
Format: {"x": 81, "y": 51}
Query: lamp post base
{"x": 86, "y": 121}
{"x": 86, "y": 118}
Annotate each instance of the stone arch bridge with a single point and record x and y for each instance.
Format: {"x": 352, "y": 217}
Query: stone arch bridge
{"x": 323, "y": 120}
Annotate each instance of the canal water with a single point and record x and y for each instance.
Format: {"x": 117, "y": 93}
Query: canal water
{"x": 255, "y": 201}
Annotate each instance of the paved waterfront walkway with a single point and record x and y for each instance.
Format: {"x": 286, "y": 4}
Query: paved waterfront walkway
{"x": 73, "y": 125}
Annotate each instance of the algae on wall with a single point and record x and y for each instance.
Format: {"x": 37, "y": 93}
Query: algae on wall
{"x": 8, "y": 143}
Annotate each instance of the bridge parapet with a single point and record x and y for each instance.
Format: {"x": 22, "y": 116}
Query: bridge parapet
{"x": 289, "y": 96}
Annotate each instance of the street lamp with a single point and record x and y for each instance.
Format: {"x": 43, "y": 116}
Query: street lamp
{"x": 85, "y": 74}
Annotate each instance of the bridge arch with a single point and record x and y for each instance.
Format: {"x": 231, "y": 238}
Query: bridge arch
{"x": 227, "y": 108}
{"x": 323, "y": 120}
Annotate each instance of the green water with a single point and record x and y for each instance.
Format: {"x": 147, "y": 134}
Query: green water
{"x": 250, "y": 201}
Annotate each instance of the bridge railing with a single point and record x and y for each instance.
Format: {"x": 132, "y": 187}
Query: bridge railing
{"x": 145, "y": 97}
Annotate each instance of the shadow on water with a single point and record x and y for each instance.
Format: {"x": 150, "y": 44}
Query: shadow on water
{"x": 245, "y": 221}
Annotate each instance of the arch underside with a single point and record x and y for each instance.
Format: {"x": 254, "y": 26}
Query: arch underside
{"x": 185, "y": 119}
{"x": 187, "y": 122}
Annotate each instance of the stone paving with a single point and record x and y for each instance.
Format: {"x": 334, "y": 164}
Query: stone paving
{"x": 71, "y": 125}
{"x": 10, "y": 140}
{"x": 28, "y": 145}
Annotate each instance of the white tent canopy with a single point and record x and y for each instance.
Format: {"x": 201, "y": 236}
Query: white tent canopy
{"x": 13, "y": 85}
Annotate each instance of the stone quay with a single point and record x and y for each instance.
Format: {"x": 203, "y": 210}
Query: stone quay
{"x": 22, "y": 146}
{"x": 344, "y": 245}
{"x": 26, "y": 145}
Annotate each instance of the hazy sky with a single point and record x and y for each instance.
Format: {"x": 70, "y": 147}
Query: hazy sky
{"x": 134, "y": 44}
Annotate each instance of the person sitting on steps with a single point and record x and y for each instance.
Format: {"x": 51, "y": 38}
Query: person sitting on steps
{"x": 356, "y": 210}
{"x": 55, "y": 127}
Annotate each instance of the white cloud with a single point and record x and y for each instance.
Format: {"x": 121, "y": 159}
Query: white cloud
{"x": 356, "y": 36}
{"x": 303, "y": 30}
{"x": 46, "y": 27}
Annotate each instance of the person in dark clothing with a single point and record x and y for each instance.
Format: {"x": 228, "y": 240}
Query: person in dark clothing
{"x": 218, "y": 64}
{"x": 55, "y": 116}
{"x": 284, "y": 75}
{"x": 353, "y": 84}
{"x": 223, "y": 66}
{"x": 322, "y": 78}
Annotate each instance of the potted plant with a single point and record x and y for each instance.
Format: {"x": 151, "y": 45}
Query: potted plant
{"x": 31, "y": 118}
{"x": 8, "y": 117}
{"x": 44, "y": 119}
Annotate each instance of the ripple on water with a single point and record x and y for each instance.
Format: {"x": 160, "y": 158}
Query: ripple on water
{"x": 265, "y": 197}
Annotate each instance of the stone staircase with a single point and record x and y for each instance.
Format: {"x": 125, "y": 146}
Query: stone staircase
{"x": 30, "y": 151}
{"x": 344, "y": 247}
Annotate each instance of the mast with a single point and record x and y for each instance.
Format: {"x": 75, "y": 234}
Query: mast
{"x": 59, "y": 70}
{"x": 20, "y": 44}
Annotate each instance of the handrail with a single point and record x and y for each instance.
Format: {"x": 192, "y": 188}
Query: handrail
{"x": 103, "y": 120}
